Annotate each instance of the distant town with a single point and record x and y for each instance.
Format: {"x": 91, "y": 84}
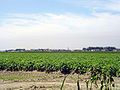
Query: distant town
{"x": 92, "y": 49}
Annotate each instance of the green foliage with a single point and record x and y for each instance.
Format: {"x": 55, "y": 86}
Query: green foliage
{"x": 102, "y": 75}
{"x": 63, "y": 82}
{"x": 78, "y": 85}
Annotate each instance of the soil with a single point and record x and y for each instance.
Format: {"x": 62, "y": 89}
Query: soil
{"x": 21, "y": 80}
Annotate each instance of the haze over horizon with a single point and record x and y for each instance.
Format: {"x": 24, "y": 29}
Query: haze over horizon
{"x": 59, "y": 23}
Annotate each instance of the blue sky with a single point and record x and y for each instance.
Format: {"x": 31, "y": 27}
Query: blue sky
{"x": 59, "y": 23}
{"x": 40, "y": 6}
{"x": 56, "y": 6}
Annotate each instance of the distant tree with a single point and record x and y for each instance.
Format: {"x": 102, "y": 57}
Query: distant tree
{"x": 100, "y": 48}
{"x": 109, "y": 48}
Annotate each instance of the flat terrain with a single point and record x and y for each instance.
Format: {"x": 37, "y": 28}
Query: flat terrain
{"x": 46, "y": 71}
{"x": 21, "y": 80}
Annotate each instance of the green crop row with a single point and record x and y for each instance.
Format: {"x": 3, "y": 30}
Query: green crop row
{"x": 64, "y": 62}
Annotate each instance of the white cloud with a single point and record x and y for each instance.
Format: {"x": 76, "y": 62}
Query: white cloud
{"x": 59, "y": 31}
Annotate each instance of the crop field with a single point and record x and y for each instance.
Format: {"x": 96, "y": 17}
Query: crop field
{"x": 101, "y": 67}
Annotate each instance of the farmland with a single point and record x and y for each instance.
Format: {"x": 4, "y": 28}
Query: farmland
{"x": 102, "y": 66}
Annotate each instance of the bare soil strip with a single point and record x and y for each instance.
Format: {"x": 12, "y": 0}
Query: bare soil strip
{"x": 42, "y": 81}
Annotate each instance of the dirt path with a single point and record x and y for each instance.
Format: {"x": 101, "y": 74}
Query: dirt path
{"x": 42, "y": 81}
{"x": 42, "y": 86}
{"x": 38, "y": 85}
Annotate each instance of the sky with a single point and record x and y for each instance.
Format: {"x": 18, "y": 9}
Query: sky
{"x": 60, "y": 24}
